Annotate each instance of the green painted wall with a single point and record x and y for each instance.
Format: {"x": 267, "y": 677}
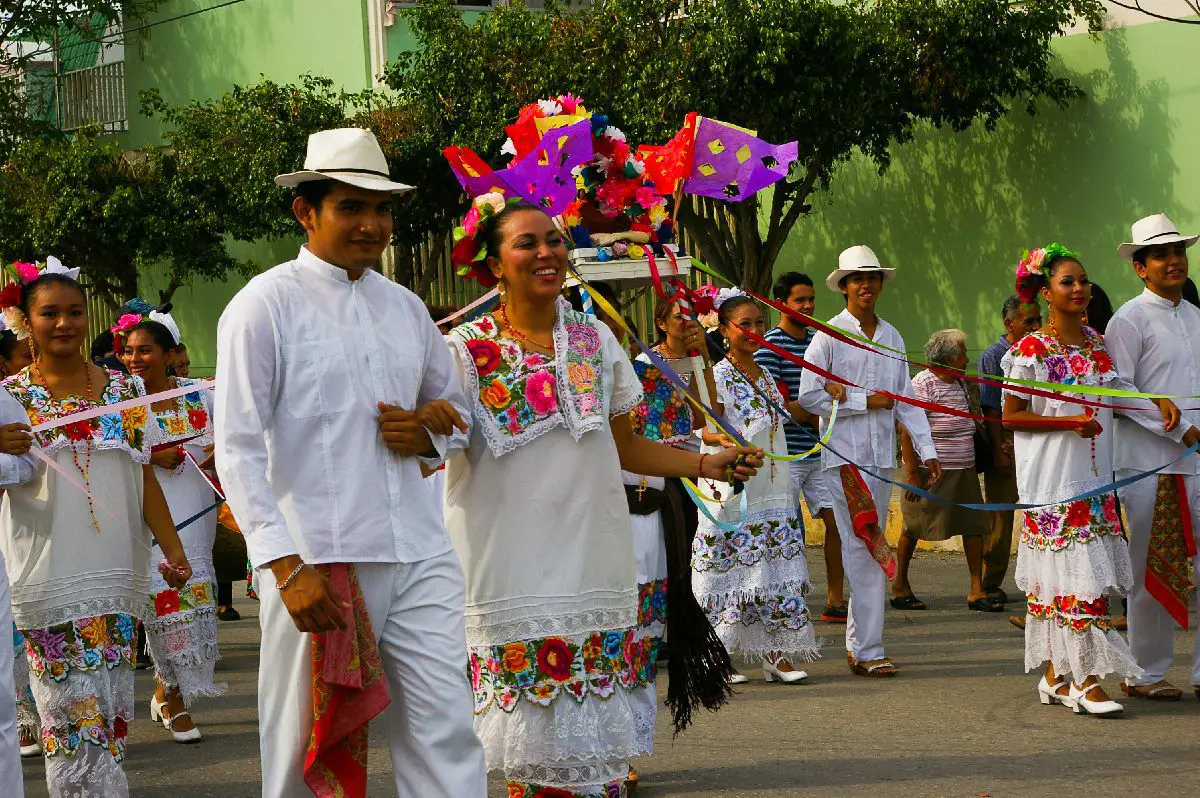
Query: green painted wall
{"x": 954, "y": 212}
{"x": 201, "y": 58}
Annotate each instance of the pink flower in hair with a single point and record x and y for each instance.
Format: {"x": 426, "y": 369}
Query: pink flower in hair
{"x": 27, "y": 272}
{"x": 471, "y": 221}
{"x": 127, "y": 322}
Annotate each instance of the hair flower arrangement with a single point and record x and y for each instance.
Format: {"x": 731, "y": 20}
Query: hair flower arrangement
{"x": 23, "y": 273}
{"x": 1032, "y": 270}
{"x": 470, "y": 253}
{"x": 726, "y": 294}
{"x": 120, "y": 331}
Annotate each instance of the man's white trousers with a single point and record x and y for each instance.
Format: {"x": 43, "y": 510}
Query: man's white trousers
{"x": 864, "y": 628}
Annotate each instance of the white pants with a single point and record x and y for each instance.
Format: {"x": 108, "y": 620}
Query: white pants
{"x": 11, "y": 783}
{"x": 864, "y": 627}
{"x": 810, "y": 482}
{"x": 1151, "y": 628}
{"x": 416, "y": 613}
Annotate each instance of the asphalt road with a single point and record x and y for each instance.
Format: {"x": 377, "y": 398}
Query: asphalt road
{"x": 962, "y": 719}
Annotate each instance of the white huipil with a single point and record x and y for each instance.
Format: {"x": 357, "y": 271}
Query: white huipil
{"x": 181, "y": 624}
{"x": 751, "y": 577}
{"x": 538, "y": 515}
{"x": 1072, "y": 556}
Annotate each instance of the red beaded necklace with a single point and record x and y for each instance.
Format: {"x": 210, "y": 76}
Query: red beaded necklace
{"x": 85, "y": 470}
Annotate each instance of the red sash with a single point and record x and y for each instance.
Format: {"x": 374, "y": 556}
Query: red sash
{"x": 866, "y": 520}
{"x": 1172, "y": 545}
{"x": 349, "y": 689}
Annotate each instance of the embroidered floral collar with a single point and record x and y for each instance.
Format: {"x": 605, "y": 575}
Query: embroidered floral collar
{"x": 125, "y": 430}
{"x": 664, "y": 415}
{"x": 519, "y": 395}
{"x": 746, "y": 407}
{"x": 1055, "y": 361}
{"x": 188, "y": 420}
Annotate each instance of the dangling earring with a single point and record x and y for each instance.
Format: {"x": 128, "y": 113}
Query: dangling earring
{"x": 1053, "y": 329}
{"x": 503, "y": 289}
{"x": 1085, "y": 319}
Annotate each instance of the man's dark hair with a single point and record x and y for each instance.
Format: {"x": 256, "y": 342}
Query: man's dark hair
{"x": 102, "y": 346}
{"x": 786, "y": 282}
{"x": 314, "y": 192}
{"x": 1013, "y": 305}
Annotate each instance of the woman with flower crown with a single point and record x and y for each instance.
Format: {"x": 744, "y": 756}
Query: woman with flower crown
{"x": 748, "y": 565}
{"x": 538, "y": 515}
{"x": 76, "y": 532}
{"x": 1072, "y": 556}
{"x": 181, "y": 629}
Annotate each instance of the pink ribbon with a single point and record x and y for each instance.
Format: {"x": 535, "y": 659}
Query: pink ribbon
{"x": 470, "y": 307}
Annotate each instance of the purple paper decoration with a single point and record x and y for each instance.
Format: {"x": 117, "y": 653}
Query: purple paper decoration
{"x": 543, "y": 177}
{"x": 731, "y": 164}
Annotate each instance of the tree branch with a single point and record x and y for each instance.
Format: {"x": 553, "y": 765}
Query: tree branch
{"x": 777, "y": 234}
{"x": 706, "y": 236}
{"x": 1137, "y": 6}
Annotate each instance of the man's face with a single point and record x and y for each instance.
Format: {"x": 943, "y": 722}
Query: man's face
{"x": 803, "y": 299}
{"x": 1026, "y": 320}
{"x": 1164, "y": 268}
{"x": 862, "y": 290}
{"x": 351, "y": 228}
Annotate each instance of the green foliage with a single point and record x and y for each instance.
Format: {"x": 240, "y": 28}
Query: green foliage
{"x": 838, "y": 76}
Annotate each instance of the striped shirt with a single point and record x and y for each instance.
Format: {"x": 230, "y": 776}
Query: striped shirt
{"x": 800, "y": 437}
{"x": 953, "y": 436}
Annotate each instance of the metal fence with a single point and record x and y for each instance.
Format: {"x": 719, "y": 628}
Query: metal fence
{"x": 93, "y": 96}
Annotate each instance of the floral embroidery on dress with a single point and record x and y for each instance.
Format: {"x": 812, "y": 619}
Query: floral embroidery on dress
{"x": 652, "y": 602}
{"x": 1058, "y": 526}
{"x": 766, "y": 539}
{"x": 189, "y": 598}
{"x": 744, "y": 406}
{"x": 519, "y": 395}
{"x": 1068, "y": 612}
{"x": 1057, "y": 362}
{"x": 91, "y": 727}
{"x": 188, "y": 420}
{"x": 84, "y": 644}
{"x": 664, "y": 415}
{"x": 124, "y": 430}
{"x": 774, "y": 612}
{"x": 542, "y": 669}
{"x": 528, "y": 789}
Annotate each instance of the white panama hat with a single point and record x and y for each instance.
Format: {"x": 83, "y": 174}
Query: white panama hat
{"x": 348, "y": 155}
{"x": 856, "y": 259}
{"x": 1152, "y": 230}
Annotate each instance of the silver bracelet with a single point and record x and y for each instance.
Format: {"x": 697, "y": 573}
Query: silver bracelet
{"x": 291, "y": 576}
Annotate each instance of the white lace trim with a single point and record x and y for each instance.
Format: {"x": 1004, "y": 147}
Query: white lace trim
{"x": 1084, "y": 570}
{"x": 741, "y": 584}
{"x": 1093, "y": 652}
{"x": 753, "y": 641}
{"x": 644, "y": 704}
{"x": 1061, "y": 493}
{"x": 27, "y": 717}
{"x": 32, "y": 616}
{"x": 629, "y": 406}
{"x": 507, "y": 626}
{"x": 584, "y": 779}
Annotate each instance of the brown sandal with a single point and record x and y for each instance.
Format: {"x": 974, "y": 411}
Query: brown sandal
{"x": 1162, "y": 691}
{"x": 631, "y": 781}
{"x": 876, "y": 669}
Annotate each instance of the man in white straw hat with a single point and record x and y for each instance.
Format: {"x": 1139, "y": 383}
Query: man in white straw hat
{"x": 1154, "y": 341}
{"x": 865, "y": 433}
{"x": 334, "y": 390}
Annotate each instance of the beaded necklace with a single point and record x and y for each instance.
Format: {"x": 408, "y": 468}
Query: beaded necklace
{"x": 515, "y": 333}
{"x": 85, "y": 470}
{"x": 770, "y": 406}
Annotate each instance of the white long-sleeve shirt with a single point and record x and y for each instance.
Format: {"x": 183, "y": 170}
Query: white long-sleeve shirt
{"x": 304, "y": 354}
{"x": 1154, "y": 345}
{"x": 868, "y": 437}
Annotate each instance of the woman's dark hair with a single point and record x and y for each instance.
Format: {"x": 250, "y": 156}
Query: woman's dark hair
{"x": 1099, "y": 309}
{"x": 8, "y": 344}
{"x": 725, "y": 312}
{"x": 314, "y": 192}
{"x": 102, "y": 347}
{"x": 493, "y": 224}
{"x": 786, "y": 282}
{"x": 30, "y": 288}
{"x": 157, "y": 332}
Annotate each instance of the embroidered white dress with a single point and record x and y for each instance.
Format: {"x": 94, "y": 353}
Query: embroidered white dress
{"x": 538, "y": 516}
{"x": 78, "y": 590}
{"x": 1072, "y": 556}
{"x": 749, "y": 572}
{"x": 181, "y": 625}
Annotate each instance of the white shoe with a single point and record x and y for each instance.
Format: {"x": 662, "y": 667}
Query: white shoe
{"x": 192, "y": 735}
{"x": 31, "y": 750}
{"x": 771, "y": 673}
{"x": 1085, "y": 706}
{"x": 739, "y": 678}
{"x": 1047, "y": 693}
{"x": 156, "y": 712}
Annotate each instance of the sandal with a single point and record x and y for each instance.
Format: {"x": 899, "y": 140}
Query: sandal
{"x": 876, "y": 669}
{"x": 985, "y": 605}
{"x": 1017, "y": 621}
{"x": 835, "y": 614}
{"x": 631, "y": 781}
{"x": 909, "y": 602}
{"x": 1162, "y": 691}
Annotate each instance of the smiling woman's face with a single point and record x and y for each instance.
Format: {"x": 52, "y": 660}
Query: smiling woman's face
{"x": 532, "y": 258}
{"x": 58, "y": 319}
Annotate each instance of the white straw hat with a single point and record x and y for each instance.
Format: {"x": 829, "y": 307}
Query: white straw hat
{"x": 1147, "y": 232}
{"x": 349, "y": 155}
{"x": 856, "y": 259}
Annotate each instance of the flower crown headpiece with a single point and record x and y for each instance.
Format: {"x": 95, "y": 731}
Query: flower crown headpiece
{"x": 1031, "y": 271}
{"x": 726, "y": 294}
{"x": 470, "y": 252}
{"x": 23, "y": 273}
{"x": 120, "y": 330}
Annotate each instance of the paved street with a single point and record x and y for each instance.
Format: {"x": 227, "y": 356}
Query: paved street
{"x": 961, "y": 720}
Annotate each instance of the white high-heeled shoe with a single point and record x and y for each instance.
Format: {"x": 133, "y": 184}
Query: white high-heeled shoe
{"x": 1082, "y": 705}
{"x": 739, "y": 678}
{"x": 771, "y": 673}
{"x": 192, "y": 735}
{"x": 1048, "y": 693}
{"x": 156, "y": 711}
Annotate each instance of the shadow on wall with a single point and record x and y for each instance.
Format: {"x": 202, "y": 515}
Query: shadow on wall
{"x": 955, "y": 211}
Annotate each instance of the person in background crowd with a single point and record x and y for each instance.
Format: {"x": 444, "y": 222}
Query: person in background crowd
{"x": 1073, "y": 556}
{"x": 1154, "y": 340}
{"x": 1099, "y": 310}
{"x": 102, "y": 354}
{"x": 180, "y": 362}
{"x": 865, "y": 432}
{"x": 808, "y": 478}
{"x": 1189, "y": 292}
{"x": 999, "y": 475}
{"x": 954, "y": 439}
